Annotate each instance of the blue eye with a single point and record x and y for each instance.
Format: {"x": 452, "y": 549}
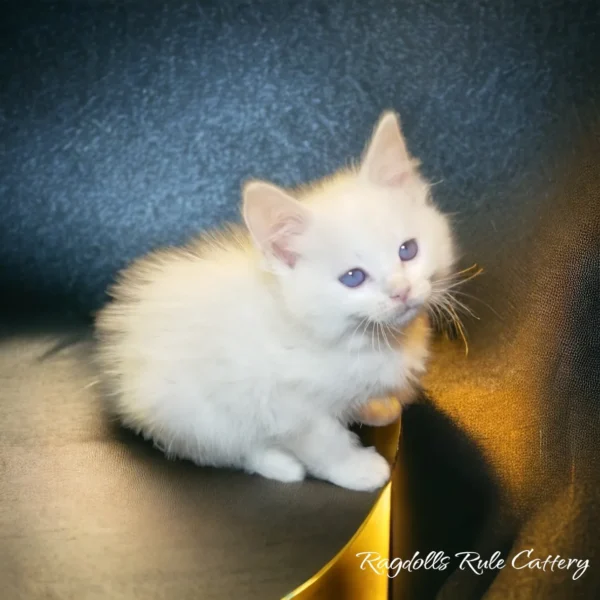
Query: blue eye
{"x": 408, "y": 250}
{"x": 353, "y": 278}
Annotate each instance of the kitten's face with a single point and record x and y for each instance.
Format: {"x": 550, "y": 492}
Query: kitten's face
{"x": 371, "y": 254}
{"x": 364, "y": 246}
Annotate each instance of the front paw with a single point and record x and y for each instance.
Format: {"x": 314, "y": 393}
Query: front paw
{"x": 379, "y": 412}
{"x": 364, "y": 470}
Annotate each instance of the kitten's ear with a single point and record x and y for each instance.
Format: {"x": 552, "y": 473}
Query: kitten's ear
{"x": 275, "y": 220}
{"x": 386, "y": 160}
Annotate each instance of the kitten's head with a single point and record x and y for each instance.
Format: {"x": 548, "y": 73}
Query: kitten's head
{"x": 364, "y": 245}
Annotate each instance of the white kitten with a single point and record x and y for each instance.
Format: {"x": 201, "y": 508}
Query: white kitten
{"x": 255, "y": 351}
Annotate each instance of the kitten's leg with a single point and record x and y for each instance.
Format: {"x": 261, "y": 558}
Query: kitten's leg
{"x": 329, "y": 451}
{"x": 379, "y": 412}
{"x": 274, "y": 463}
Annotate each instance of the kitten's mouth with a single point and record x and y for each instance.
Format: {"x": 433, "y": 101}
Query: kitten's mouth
{"x": 405, "y": 315}
{"x": 397, "y": 318}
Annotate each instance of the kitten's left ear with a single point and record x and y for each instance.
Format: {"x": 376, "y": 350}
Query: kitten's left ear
{"x": 387, "y": 161}
{"x": 275, "y": 220}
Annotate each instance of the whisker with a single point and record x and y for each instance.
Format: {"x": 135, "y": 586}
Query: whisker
{"x": 435, "y": 315}
{"x": 455, "y": 279}
{"x": 363, "y": 320}
{"x": 382, "y": 332}
{"x": 385, "y": 337}
{"x": 445, "y": 307}
{"x": 457, "y": 274}
{"x": 473, "y": 266}
{"x": 359, "y": 330}
{"x": 434, "y": 183}
{"x": 364, "y": 330}
{"x": 456, "y": 320}
{"x": 449, "y": 286}
{"x": 372, "y": 338}
{"x": 460, "y": 305}
{"x": 445, "y": 320}
{"x": 470, "y": 296}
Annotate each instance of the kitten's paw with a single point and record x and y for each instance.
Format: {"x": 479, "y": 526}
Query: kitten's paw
{"x": 364, "y": 470}
{"x": 273, "y": 463}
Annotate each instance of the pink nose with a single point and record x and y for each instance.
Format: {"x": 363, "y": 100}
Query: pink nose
{"x": 400, "y": 294}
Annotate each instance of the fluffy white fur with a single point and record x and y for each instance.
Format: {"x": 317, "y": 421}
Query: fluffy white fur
{"x": 244, "y": 349}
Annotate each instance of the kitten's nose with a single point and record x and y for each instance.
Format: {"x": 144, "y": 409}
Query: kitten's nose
{"x": 400, "y": 293}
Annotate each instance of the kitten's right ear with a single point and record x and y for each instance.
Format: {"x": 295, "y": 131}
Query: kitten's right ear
{"x": 275, "y": 220}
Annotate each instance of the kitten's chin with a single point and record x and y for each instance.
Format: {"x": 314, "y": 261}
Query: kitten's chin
{"x": 405, "y": 317}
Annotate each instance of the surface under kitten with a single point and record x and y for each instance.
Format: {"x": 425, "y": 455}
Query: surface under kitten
{"x": 255, "y": 348}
